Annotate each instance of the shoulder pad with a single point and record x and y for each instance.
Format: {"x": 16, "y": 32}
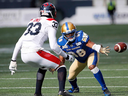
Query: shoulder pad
{"x": 81, "y": 36}
{"x": 50, "y": 19}
{"x": 61, "y": 41}
{"x": 35, "y": 20}
{"x": 52, "y": 22}
{"x": 85, "y": 37}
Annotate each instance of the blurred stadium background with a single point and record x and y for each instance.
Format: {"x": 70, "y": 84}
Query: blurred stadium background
{"x": 80, "y": 12}
{"x": 90, "y": 16}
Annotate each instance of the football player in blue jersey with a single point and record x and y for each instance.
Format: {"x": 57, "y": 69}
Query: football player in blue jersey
{"x": 86, "y": 53}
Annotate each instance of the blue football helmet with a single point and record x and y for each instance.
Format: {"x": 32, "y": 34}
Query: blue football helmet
{"x": 69, "y": 28}
{"x": 48, "y": 9}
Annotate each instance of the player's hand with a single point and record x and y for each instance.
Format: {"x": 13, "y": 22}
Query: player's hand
{"x": 104, "y": 50}
{"x": 70, "y": 58}
{"x": 13, "y": 67}
{"x": 51, "y": 70}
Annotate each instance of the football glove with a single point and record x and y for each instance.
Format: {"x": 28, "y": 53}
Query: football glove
{"x": 51, "y": 70}
{"x": 13, "y": 67}
{"x": 70, "y": 58}
{"x": 104, "y": 50}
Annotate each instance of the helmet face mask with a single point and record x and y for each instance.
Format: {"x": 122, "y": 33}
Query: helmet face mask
{"x": 70, "y": 37}
{"x": 68, "y": 30}
{"x": 48, "y": 9}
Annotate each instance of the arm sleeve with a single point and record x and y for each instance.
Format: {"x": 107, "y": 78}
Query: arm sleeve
{"x": 17, "y": 49}
{"x": 53, "y": 42}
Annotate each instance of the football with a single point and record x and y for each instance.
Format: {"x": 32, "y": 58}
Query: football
{"x": 120, "y": 47}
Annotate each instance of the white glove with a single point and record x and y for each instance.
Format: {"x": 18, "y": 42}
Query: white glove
{"x": 13, "y": 67}
{"x": 70, "y": 58}
{"x": 104, "y": 50}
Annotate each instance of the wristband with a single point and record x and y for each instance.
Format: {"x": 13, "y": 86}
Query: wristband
{"x": 13, "y": 60}
{"x": 96, "y": 47}
{"x": 67, "y": 57}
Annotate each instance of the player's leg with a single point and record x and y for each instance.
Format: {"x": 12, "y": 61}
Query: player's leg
{"x": 34, "y": 59}
{"x": 47, "y": 60}
{"x": 74, "y": 70}
{"x": 112, "y": 18}
{"x": 55, "y": 63}
{"x": 92, "y": 63}
{"x": 39, "y": 81}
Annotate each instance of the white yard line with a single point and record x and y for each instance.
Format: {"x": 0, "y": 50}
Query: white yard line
{"x": 66, "y": 87}
{"x": 67, "y": 70}
{"x": 116, "y": 77}
{"x": 17, "y": 70}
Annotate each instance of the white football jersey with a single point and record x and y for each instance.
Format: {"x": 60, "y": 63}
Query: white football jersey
{"x": 38, "y": 31}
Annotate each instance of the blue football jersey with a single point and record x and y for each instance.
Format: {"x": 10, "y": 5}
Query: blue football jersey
{"x": 78, "y": 48}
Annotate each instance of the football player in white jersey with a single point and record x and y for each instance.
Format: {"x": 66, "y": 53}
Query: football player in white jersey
{"x": 86, "y": 53}
{"x": 32, "y": 52}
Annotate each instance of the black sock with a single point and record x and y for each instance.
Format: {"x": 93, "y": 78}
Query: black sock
{"x": 62, "y": 78}
{"x": 39, "y": 80}
{"x": 73, "y": 83}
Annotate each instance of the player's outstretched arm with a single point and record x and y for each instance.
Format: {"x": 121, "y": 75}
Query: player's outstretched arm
{"x": 98, "y": 48}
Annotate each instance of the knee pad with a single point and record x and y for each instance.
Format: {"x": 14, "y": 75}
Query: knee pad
{"x": 41, "y": 74}
{"x": 95, "y": 70}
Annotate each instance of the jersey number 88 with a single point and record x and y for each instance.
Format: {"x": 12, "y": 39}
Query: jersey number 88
{"x": 80, "y": 53}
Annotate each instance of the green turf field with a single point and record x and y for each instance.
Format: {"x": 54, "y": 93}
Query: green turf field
{"x": 114, "y": 67}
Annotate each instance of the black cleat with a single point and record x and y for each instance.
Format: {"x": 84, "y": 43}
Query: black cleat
{"x": 106, "y": 92}
{"x": 61, "y": 93}
{"x": 38, "y": 95}
{"x": 75, "y": 90}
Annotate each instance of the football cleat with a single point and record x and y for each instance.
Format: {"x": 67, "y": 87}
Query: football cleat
{"x": 75, "y": 90}
{"x": 61, "y": 93}
{"x": 38, "y": 95}
{"x": 106, "y": 92}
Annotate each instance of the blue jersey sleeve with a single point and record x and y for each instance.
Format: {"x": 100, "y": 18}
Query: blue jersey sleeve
{"x": 61, "y": 42}
{"x": 82, "y": 36}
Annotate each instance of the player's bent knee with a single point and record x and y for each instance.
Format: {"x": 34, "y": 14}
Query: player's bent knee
{"x": 95, "y": 70}
{"x": 71, "y": 78}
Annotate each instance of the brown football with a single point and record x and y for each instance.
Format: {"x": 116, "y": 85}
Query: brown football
{"x": 120, "y": 47}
